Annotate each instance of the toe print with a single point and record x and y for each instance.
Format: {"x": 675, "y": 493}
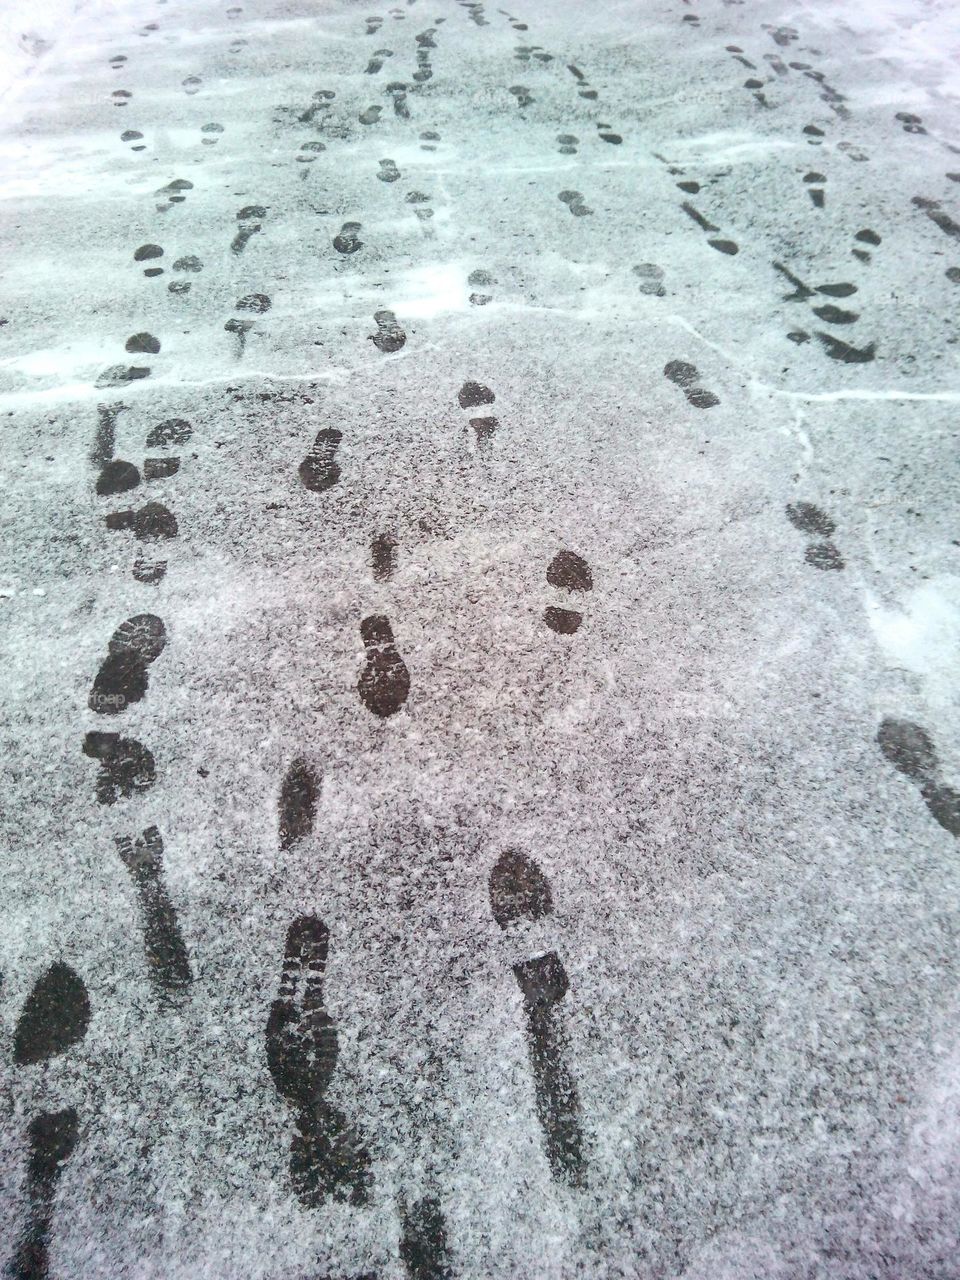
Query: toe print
{"x": 117, "y": 476}
{"x": 298, "y": 803}
{"x": 567, "y": 572}
{"x": 384, "y": 683}
{"x": 823, "y": 555}
{"x": 831, "y": 314}
{"x": 127, "y": 768}
{"x": 326, "y": 1158}
{"x": 471, "y": 395}
{"x": 348, "y": 241}
{"x": 519, "y": 895}
{"x": 54, "y": 1017}
{"x": 423, "y": 1241}
{"x": 142, "y": 343}
{"x": 811, "y": 520}
{"x": 575, "y": 203}
{"x": 319, "y": 470}
{"x": 168, "y": 966}
{"x": 122, "y": 677}
{"x": 172, "y": 431}
{"x": 651, "y": 279}
{"x": 910, "y": 749}
{"x": 389, "y": 336}
{"x": 258, "y": 303}
{"x": 686, "y": 377}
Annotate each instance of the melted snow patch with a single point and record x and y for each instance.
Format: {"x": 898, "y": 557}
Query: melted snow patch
{"x": 431, "y": 291}
{"x": 924, "y": 635}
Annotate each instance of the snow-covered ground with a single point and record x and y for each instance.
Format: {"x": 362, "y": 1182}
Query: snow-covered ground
{"x": 482, "y": 623}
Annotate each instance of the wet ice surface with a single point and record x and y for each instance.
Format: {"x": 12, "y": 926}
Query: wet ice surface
{"x": 482, "y": 620}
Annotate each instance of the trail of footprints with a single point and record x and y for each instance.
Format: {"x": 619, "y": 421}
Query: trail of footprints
{"x": 815, "y": 183}
{"x": 153, "y": 523}
{"x": 828, "y": 94}
{"x": 329, "y": 1158}
{"x": 690, "y": 186}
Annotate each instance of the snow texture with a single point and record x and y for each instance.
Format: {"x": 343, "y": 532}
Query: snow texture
{"x": 482, "y": 624}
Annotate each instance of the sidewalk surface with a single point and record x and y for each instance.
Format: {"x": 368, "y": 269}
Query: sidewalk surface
{"x": 480, "y": 749}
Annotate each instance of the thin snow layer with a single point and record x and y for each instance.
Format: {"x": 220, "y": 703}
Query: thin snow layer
{"x": 671, "y": 290}
{"x": 31, "y": 29}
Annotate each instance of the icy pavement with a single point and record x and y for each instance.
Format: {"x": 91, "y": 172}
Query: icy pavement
{"x": 481, "y": 648}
